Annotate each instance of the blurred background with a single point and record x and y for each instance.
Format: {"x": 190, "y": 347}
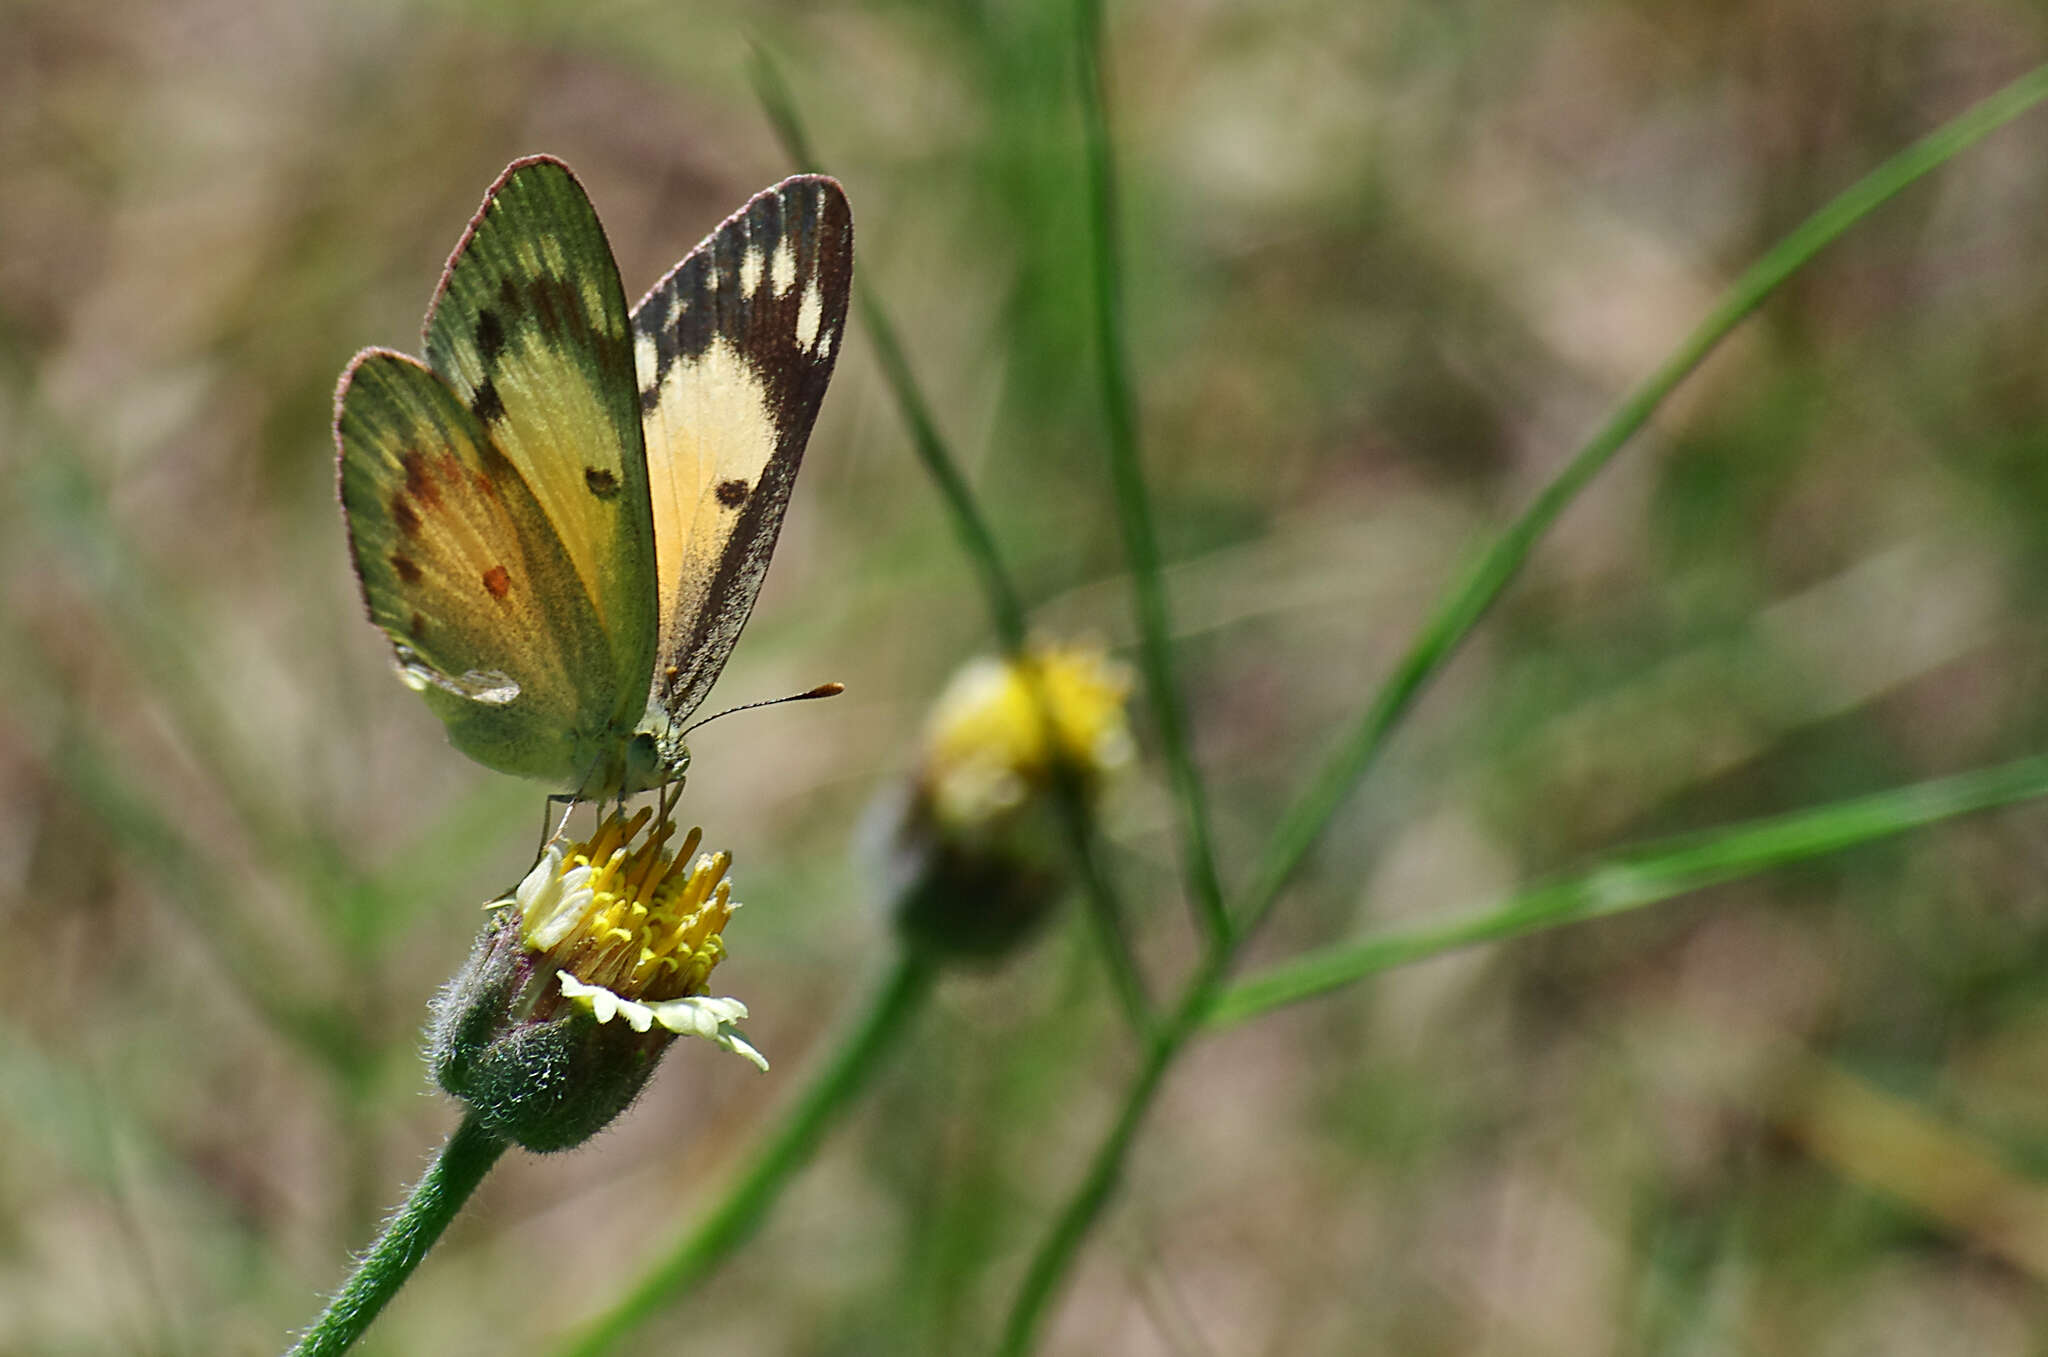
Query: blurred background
{"x": 1389, "y": 264}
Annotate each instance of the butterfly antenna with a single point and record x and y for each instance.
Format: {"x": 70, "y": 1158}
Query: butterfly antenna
{"x": 822, "y": 690}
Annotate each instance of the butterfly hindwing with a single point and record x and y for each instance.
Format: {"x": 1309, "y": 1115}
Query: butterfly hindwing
{"x": 530, "y": 329}
{"x": 461, "y": 568}
{"x": 733, "y": 351}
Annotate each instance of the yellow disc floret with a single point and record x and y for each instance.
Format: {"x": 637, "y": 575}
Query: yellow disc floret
{"x": 999, "y": 726}
{"x": 635, "y": 931}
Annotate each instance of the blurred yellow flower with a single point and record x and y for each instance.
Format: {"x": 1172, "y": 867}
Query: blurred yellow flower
{"x": 997, "y": 729}
{"x": 979, "y": 854}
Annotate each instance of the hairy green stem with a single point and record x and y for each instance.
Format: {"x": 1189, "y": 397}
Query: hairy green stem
{"x": 736, "y": 1215}
{"x": 389, "y": 1264}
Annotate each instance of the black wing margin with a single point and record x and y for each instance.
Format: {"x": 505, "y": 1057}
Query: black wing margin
{"x": 733, "y": 351}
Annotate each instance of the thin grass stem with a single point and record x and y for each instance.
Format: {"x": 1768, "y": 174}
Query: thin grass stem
{"x": 1133, "y": 500}
{"x": 1054, "y": 1257}
{"x": 1005, "y": 606}
{"x": 1643, "y": 876}
{"x": 1304, "y": 822}
{"x": 788, "y": 1147}
{"x": 1106, "y": 914}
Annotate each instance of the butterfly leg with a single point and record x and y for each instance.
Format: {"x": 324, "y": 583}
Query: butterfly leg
{"x": 666, "y": 798}
{"x": 547, "y": 817}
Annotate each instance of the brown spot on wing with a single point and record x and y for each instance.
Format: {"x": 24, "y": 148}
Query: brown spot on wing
{"x": 406, "y": 568}
{"x": 602, "y": 483}
{"x": 498, "y": 581}
{"x": 488, "y": 404}
{"x": 732, "y": 494}
{"x": 402, "y": 514}
{"x": 490, "y": 335}
{"x": 419, "y": 626}
{"x": 554, "y": 302}
{"x": 417, "y": 483}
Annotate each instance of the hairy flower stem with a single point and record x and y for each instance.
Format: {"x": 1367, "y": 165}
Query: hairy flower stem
{"x": 454, "y": 1174}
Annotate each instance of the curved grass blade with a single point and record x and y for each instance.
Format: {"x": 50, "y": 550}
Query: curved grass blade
{"x": 1640, "y": 877}
{"x": 1461, "y": 610}
{"x": 787, "y": 1148}
{"x": 1006, "y": 609}
{"x": 1055, "y": 1255}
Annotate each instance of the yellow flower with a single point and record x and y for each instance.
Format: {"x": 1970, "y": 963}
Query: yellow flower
{"x": 1001, "y": 728}
{"x": 979, "y": 851}
{"x": 583, "y": 976}
{"x": 633, "y": 932}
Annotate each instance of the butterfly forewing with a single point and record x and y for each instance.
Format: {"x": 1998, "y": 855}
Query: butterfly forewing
{"x": 461, "y": 569}
{"x": 531, "y": 331}
{"x": 733, "y": 351}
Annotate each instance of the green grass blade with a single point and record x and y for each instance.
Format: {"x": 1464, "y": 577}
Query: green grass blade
{"x": 785, "y": 1150}
{"x": 1055, "y": 1254}
{"x": 1133, "y": 501}
{"x": 1306, "y": 820}
{"x": 1106, "y": 913}
{"x": 1005, "y": 607}
{"x": 1640, "y": 877}
{"x": 1053, "y": 1259}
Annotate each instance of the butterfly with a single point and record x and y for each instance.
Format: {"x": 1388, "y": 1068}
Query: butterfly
{"x": 561, "y": 518}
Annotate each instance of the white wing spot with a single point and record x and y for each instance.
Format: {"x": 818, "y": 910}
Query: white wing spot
{"x": 646, "y": 358}
{"x": 782, "y": 274}
{"x": 825, "y": 347}
{"x": 810, "y": 315}
{"x": 750, "y": 270}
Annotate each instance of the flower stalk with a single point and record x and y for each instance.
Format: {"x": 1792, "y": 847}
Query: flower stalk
{"x": 388, "y": 1264}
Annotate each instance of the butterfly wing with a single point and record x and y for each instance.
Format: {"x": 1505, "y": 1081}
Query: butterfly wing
{"x": 530, "y": 330}
{"x": 733, "y": 350}
{"x": 461, "y": 568}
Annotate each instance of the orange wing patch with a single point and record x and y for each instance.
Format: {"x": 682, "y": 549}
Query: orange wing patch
{"x": 459, "y": 566}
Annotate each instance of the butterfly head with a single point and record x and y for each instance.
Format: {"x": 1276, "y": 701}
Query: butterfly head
{"x": 655, "y": 756}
